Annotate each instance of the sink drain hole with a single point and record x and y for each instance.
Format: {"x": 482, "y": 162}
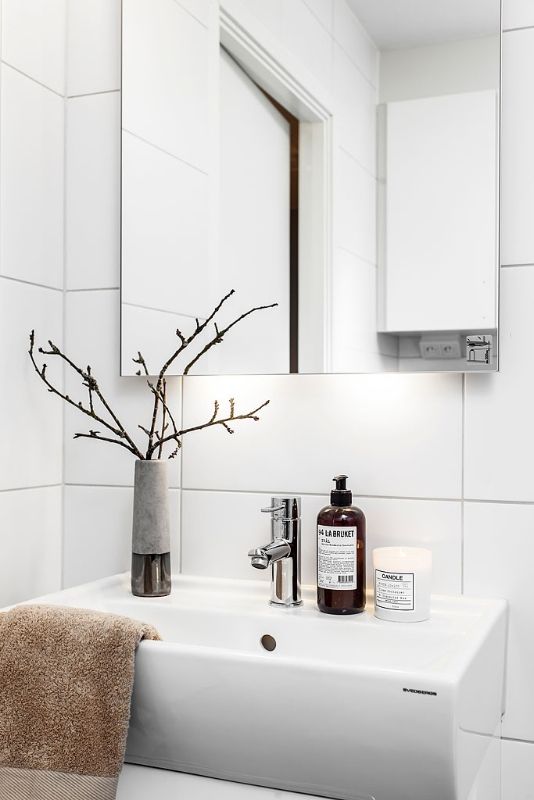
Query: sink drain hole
{"x": 268, "y": 642}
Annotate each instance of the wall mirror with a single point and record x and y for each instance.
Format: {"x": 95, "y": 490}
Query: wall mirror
{"x": 235, "y": 176}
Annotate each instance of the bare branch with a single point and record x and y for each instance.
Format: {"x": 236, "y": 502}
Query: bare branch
{"x": 90, "y": 382}
{"x": 215, "y": 410}
{"x": 217, "y": 339}
{"x": 163, "y": 427}
{"x": 90, "y": 389}
{"x": 87, "y": 380}
{"x": 141, "y": 360}
{"x": 252, "y": 415}
{"x": 166, "y": 413}
{"x": 96, "y": 435}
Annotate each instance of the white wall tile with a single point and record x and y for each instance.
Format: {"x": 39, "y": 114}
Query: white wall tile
{"x": 354, "y": 39}
{"x": 307, "y": 40}
{"x": 98, "y": 532}
{"x": 353, "y": 317}
{"x": 30, "y": 417}
{"x": 351, "y": 360}
{"x": 324, "y": 11}
{"x": 468, "y": 65}
{"x": 517, "y": 771}
{"x": 354, "y": 111}
{"x": 225, "y": 544}
{"x": 32, "y": 180}
{"x": 517, "y": 14}
{"x": 517, "y": 148}
{"x": 92, "y": 334}
{"x": 165, "y": 88}
{"x": 240, "y": 526}
{"x": 418, "y": 523}
{"x": 354, "y": 203}
{"x": 370, "y": 426}
{"x": 200, "y": 9}
{"x": 93, "y": 191}
{"x": 30, "y": 525}
{"x": 498, "y": 557}
{"x": 165, "y": 218}
{"x": 499, "y": 425}
{"x": 33, "y": 39}
{"x": 93, "y": 46}
{"x": 269, "y": 15}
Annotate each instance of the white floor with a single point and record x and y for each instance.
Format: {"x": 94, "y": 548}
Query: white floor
{"x": 138, "y": 783}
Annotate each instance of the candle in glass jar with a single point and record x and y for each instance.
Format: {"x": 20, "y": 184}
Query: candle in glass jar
{"x": 402, "y": 581}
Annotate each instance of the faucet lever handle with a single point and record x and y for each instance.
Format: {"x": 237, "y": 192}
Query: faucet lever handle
{"x": 272, "y": 509}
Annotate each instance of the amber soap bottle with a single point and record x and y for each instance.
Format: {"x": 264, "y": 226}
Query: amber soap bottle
{"x": 341, "y": 553}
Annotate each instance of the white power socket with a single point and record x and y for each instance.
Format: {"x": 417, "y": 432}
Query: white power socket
{"x": 440, "y": 348}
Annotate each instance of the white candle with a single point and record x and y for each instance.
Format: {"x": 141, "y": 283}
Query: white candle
{"x": 402, "y": 581}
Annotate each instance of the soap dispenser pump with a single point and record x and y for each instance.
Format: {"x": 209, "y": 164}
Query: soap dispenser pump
{"x": 341, "y": 553}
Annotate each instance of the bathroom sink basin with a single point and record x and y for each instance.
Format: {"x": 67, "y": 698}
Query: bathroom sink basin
{"x": 351, "y": 708}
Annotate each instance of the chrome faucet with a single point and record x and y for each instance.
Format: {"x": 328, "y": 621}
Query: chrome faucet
{"x": 283, "y": 551}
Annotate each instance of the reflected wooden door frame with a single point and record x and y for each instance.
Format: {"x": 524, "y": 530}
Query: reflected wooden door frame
{"x": 266, "y": 62}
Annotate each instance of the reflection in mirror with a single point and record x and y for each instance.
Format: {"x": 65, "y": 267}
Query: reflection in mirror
{"x": 368, "y": 212}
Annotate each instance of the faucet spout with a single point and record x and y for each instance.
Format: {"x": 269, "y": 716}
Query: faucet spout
{"x": 282, "y": 553}
{"x": 263, "y": 557}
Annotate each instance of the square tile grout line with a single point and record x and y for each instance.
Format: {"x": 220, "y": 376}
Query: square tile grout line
{"x": 64, "y": 297}
{"x": 31, "y": 78}
{"x": 342, "y": 47}
{"x": 462, "y": 488}
{"x": 518, "y": 28}
{"x": 91, "y": 94}
{"x": 190, "y": 13}
{"x": 211, "y": 490}
{"x": 181, "y": 513}
{"x": 360, "y": 495}
{"x": 31, "y": 488}
{"x": 31, "y": 283}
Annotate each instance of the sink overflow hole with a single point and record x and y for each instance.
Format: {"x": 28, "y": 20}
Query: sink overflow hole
{"x": 268, "y": 642}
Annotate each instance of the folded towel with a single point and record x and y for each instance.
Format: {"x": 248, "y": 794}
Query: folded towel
{"x": 66, "y": 679}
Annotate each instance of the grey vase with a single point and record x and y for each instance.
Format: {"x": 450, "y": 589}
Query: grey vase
{"x": 151, "y": 557}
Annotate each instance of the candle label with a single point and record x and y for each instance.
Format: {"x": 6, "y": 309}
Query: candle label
{"x": 336, "y": 557}
{"x": 394, "y": 590}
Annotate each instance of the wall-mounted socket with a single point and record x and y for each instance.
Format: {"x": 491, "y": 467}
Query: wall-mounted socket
{"x": 440, "y": 348}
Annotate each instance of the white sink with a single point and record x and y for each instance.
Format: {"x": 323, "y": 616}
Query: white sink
{"x": 352, "y": 708}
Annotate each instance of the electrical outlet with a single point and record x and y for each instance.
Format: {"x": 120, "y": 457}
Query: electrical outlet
{"x": 440, "y": 348}
{"x": 429, "y": 349}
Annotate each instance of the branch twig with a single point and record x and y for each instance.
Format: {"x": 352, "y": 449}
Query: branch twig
{"x": 89, "y": 381}
{"x": 157, "y": 433}
{"x": 252, "y": 415}
{"x": 96, "y": 435}
{"x": 217, "y": 339}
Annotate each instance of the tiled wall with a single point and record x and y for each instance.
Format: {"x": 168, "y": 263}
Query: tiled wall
{"x": 31, "y": 295}
{"x": 439, "y": 460}
{"x": 340, "y": 56}
{"x": 166, "y": 171}
{"x": 98, "y": 478}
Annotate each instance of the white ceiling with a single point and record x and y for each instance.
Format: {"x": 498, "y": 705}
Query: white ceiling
{"x": 410, "y": 23}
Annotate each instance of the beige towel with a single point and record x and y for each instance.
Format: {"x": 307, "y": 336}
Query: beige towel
{"x": 66, "y": 678}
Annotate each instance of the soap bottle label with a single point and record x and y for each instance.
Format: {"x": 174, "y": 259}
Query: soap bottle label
{"x": 336, "y": 557}
{"x": 394, "y": 590}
